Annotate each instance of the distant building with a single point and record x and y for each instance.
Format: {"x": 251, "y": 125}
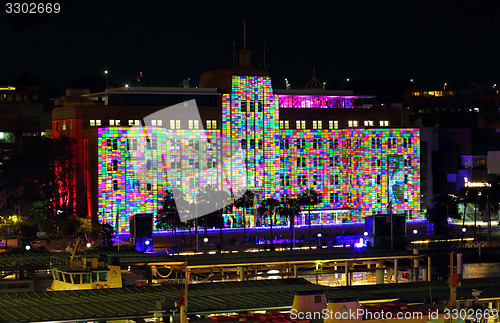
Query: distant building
{"x": 22, "y": 115}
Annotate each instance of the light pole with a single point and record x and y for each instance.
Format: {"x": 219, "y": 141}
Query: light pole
{"x": 106, "y": 73}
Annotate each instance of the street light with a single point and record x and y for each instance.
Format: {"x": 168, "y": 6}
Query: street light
{"x": 205, "y": 240}
{"x": 106, "y": 73}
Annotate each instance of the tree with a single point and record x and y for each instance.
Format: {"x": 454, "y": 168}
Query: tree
{"x": 246, "y": 201}
{"x": 172, "y": 206}
{"x": 290, "y": 207}
{"x": 215, "y": 201}
{"x": 37, "y": 181}
{"x": 445, "y": 205}
{"x": 270, "y": 207}
{"x": 309, "y": 197}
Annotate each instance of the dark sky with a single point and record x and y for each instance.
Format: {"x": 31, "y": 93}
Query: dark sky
{"x": 430, "y": 41}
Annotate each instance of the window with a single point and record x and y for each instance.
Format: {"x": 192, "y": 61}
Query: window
{"x": 285, "y": 180}
{"x": 243, "y": 106}
{"x": 67, "y": 278}
{"x": 301, "y": 124}
{"x": 115, "y": 165}
{"x": 76, "y": 278}
{"x": 384, "y": 123}
{"x": 98, "y": 123}
{"x": 334, "y": 198}
{"x": 301, "y": 180}
{"x": 103, "y": 276}
{"x": 153, "y": 122}
{"x": 113, "y": 122}
{"x": 282, "y": 124}
{"x": 317, "y": 124}
{"x": 85, "y": 278}
{"x": 94, "y": 277}
{"x": 352, "y": 123}
{"x": 368, "y": 123}
{"x": 317, "y": 143}
{"x": 64, "y": 125}
{"x": 177, "y": 124}
{"x": 287, "y": 124}
{"x": 115, "y": 185}
{"x": 172, "y": 124}
{"x": 193, "y": 124}
{"x": 379, "y": 179}
{"x": 92, "y": 123}
{"x": 214, "y": 124}
{"x": 70, "y": 125}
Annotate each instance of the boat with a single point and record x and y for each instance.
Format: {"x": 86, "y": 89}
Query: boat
{"x": 84, "y": 272}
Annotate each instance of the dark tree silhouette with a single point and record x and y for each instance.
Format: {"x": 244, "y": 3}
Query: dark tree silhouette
{"x": 172, "y": 206}
{"x": 246, "y": 201}
{"x": 308, "y": 198}
{"x": 290, "y": 207}
{"x": 269, "y": 206}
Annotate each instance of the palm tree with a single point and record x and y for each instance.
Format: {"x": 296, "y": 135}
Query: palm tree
{"x": 308, "y": 198}
{"x": 168, "y": 216}
{"x": 215, "y": 201}
{"x": 290, "y": 207}
{"x": 269, "y": 206}
{"x": 246, "y": 201}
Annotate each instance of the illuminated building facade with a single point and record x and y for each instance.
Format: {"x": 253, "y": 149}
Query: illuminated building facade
{"x": 356, "y": 170}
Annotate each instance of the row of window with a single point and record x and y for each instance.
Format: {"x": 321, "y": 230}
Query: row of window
{"x": 174, "y": 124}
{"x": 333, "y": 179}
{"x": 18, "y": 97}
{"x": 319, "y": 143}
{"x": 332, "y": 124}
{"x": 84, "y": 278}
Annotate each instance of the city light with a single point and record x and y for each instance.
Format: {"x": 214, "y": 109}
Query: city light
{"x": 88, "y": 245}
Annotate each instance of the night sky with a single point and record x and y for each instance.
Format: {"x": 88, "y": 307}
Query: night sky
{"x": 431, "y": 41}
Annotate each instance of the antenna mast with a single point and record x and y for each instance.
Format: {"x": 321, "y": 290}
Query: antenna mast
{"x": 244, "y": 34}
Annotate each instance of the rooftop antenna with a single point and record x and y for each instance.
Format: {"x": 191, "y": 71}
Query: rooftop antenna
{"x": 244, "y": 34}
{"x": 234, "y": 54}
{"x": 314, "y": 83}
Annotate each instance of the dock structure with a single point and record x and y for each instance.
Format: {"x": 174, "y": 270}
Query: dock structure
{"x": 214, "y": 298}
{"x": 246, "y": 265}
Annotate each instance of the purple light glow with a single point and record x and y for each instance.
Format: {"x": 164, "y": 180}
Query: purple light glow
{"x": 324, "y": 102}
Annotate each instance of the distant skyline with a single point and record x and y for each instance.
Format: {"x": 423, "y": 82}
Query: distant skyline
{"x": 431, "y": 42}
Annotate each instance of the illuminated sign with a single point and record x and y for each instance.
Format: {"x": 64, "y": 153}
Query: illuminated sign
{"x": 475, "y": 184}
